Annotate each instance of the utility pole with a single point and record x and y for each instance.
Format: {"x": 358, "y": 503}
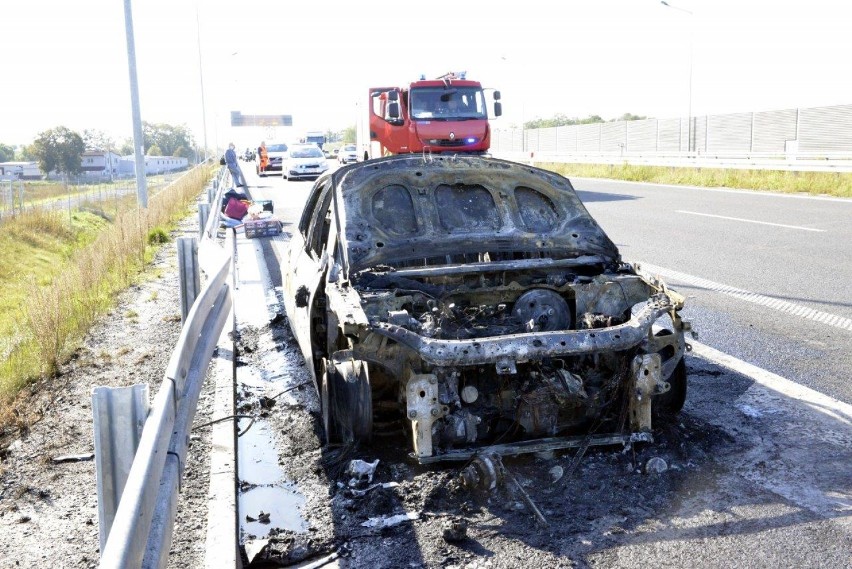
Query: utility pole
{"x": 201, "y": 78}
{"x": 138, "y": 141}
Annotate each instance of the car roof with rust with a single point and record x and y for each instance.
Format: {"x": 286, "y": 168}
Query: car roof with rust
{"x": 401, "y": 209}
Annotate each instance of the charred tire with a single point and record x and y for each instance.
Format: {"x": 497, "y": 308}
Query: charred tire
{"x": 328, "y": 425}
{"x": 671, "y": 402}
{"x": 347, "y": 402}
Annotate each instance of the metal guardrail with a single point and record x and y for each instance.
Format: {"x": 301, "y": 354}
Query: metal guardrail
{"x": 137, "y": 508}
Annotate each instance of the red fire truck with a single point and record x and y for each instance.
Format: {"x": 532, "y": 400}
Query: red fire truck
{"x": 447, "y": 114}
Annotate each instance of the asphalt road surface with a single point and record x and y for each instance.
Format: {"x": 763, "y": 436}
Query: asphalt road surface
{"x": 766, "y": 275}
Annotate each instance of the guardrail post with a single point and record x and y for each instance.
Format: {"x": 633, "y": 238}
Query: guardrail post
{"x": 119, "y": 417}
{"x": 203, "y": 214}
{"x": 190, "y": 277}
{"x": 211, "y": 194}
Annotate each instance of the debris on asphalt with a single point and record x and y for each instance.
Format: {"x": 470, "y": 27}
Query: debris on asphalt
{"x": 73, "y": 458}
{"x": 656, "y": 465}
{"x": 455, "y": 529}
{"x": 485, "y": 471}
{"x": 361, "y": 472}
{"x": 391, "y": 521}
{"x": 556, "y": 473}
{"x": 359, "y": 493}
{"x": 526, "y": 498}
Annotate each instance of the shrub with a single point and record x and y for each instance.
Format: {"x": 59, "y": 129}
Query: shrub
{"x": 158, "y": 236}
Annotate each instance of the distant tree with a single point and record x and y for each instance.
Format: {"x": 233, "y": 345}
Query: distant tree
{"x": 126, "y": 147}
{"x": 155, "y": 151}
{"x": 59, "y": 149}
{"x": 629, "y": 117}
{"x": 560, "y": 119}
{"x": 184, "y": 152}
{"x": 167, "y": 137}
{"x": 349, "y": 134}
{"x": 7, "y": 153}
{"x": 25, "y": 153}
{"x": 98, "y": 140}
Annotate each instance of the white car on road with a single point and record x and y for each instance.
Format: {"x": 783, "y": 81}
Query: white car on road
{"x": 304, "y": 161}
{"x": 348, "y": 153}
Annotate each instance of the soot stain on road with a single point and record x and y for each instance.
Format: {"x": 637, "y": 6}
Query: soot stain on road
{"x": 412, "y": 515}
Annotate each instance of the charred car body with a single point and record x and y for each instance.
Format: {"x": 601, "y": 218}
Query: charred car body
{"x": 477, "y": 302}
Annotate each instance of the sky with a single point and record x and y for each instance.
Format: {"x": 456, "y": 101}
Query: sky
{"x": 66, "y": 62}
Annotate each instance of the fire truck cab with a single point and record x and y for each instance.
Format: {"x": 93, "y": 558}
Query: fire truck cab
{"x": 447, "y": 114}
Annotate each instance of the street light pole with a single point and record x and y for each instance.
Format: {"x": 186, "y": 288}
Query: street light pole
{"x": 201, "y": 79}
{"x": 138, "y": 141}
{"x": 691, "y": 41}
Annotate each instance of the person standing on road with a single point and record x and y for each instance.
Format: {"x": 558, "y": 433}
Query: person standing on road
{"x": 234, "y": 167}
{"x": 263, "y": 156}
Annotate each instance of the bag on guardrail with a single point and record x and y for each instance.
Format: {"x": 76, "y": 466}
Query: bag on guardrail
{"x": 236, "y": 209}
{"x": 231, "y": 193}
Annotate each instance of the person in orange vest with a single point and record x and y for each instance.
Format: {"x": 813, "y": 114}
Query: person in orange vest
{"x": 263, "y": 156}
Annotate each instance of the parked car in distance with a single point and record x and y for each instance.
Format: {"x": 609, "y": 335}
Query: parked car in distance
{"x": 474, "y": 303}
{"x": 277, "y": 155}
{"x": 304, "y": 161}
{"x": 348, "y": 153}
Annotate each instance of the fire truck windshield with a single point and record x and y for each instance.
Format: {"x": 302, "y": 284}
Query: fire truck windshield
{"x": 439, "y": 103}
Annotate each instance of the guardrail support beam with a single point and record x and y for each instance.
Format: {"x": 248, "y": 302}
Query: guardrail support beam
{"x": 190, "y": 274}
{"x": 203, "y": 214}
{"x": 119, "y": 416}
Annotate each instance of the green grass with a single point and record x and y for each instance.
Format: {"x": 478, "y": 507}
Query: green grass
{"x": 64, "y": 272}
{"x": 813, "y": 183}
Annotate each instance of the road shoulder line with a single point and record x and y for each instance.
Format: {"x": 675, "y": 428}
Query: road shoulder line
{"x": 817, "y": 401}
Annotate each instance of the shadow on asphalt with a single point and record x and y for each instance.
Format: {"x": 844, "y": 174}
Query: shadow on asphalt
{"x": 589, "y": 197}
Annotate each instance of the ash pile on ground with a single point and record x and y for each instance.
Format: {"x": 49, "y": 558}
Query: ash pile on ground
{"x": 48, "y": 493}
{"x": 410, "y": 515}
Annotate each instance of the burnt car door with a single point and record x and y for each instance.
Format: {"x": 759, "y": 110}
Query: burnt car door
{"x": 308, "y": 263}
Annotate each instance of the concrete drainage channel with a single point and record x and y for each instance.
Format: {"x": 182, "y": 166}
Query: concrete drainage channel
{"x": 264, "y": 500}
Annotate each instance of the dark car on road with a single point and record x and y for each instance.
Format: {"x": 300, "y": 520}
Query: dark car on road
{"x": 473, "y": 302}
{"x": 277, "y": 154}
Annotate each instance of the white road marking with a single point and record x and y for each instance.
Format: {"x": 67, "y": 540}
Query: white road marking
{"x": 817, "y": 401}
{"x": 767, "y": 301}
{"x": 763, "y": 193}
{"x": 751, "y": 221}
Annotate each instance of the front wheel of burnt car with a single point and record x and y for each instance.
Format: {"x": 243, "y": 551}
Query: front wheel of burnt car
{"x": 346, "y": 400}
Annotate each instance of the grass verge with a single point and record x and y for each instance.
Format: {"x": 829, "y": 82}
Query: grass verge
{"x": 837, "y": 184}
{"x": 61, "y": 277}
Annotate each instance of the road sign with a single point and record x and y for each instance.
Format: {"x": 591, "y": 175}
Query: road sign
{"x": 239, "y": 119}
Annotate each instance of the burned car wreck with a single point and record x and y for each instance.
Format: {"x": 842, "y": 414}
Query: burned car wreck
{"x": 476, "y": 303}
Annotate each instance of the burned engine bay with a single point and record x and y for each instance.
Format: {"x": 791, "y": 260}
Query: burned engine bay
{"x": 529, "y": 355}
